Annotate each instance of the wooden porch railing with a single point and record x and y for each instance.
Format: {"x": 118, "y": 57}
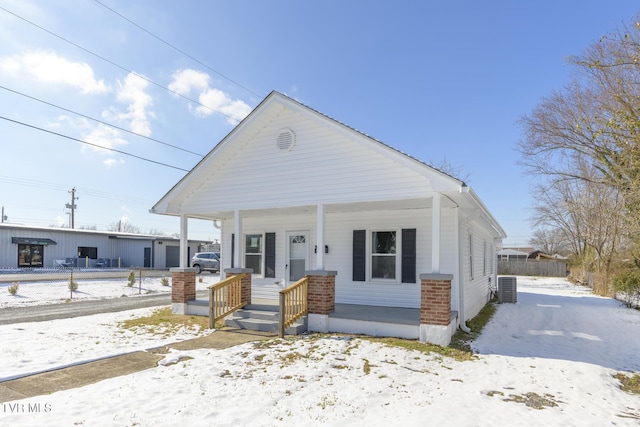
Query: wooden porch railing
{"x": 225, "y": 297}
{"x": 293, "y": 304}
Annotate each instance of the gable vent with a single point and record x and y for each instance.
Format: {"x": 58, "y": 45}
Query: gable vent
{"x": 285, "y": 140}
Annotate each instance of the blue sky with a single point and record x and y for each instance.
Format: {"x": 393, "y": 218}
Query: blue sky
{"x": 445, "y": 82}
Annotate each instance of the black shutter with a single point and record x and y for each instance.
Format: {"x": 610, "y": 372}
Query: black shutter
{"x": 359, "y": 255}
{"x": 270, "y": 254}
{"x": 233, "y": 250}
{"x": 408, "y": 255}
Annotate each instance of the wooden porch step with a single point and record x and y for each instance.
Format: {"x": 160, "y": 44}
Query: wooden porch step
{"x": 262, "y": 320}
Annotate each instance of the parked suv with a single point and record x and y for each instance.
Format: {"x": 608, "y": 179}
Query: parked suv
{"x": 209, "y": 261}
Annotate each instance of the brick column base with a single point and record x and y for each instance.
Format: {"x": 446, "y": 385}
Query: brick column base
{"x": 436, "y": 325}
{"x": 245, "y": 283}
{"x": 183, "y": 284}
{"x": 321, "y": 298}
{"x": 183, "y": 288}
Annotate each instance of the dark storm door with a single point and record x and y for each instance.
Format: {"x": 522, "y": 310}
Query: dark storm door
{"x": 30, "y": 255}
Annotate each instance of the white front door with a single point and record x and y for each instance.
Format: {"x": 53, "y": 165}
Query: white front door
{"x": 297, "y": 255}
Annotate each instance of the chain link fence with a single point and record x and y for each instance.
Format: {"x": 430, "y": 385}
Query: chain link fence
{"x": 30, "y": 286}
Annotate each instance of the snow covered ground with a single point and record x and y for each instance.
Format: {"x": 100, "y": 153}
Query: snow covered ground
{"x": 52, "y": 292}
{"x": 547, "y": 360}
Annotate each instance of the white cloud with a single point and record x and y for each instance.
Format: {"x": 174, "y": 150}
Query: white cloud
{"x": 211, "y": 100}
{"x": 105, "y": 136}
{"x": 132, "y": 91}
{"x": 218, "y": 101}
{"x": 48, "y": 67}
{"x": 184, "y": 81}
{"x": 60, "y": 221}
{"x": 111, "y": 162}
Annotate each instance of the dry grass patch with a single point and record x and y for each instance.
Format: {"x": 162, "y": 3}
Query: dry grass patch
{"x": 629, "y": 383}
{"x": 426, "y": 348}
{"x": 164, "y": 322}
{"x": 531, "y": 399}
{"x": 461, "y": 339}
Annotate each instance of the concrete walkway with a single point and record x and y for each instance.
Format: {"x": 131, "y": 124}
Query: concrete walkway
{"x": 111, "y": 367}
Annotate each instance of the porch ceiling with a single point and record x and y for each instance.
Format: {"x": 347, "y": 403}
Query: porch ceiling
{"x": 422, "y": 203}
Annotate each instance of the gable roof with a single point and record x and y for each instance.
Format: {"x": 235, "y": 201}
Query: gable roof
{"x": 221, "y": 169}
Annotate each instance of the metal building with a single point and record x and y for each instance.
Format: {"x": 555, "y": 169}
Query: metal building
{"x": 50, "y": 247}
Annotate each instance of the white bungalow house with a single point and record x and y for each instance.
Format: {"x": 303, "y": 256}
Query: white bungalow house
{"x": 297, "y": 193}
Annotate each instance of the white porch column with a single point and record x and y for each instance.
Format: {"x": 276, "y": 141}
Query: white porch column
{"x": 237, "y": 230}
{"x": 435, "y": 233}
{"x": 184, "y": 240}
{"x": 320, "y": 238}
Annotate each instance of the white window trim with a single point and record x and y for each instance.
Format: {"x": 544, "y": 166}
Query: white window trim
{"x": 244, "y": 253}
{"x": 484, "y": 258}
{"x": 398, "y": 255}
{"x": 471, "y": 256}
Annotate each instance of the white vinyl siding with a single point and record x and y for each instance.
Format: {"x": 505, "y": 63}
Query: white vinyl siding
{"x": 260, "y": 175}
{"x": 339, "y": 240}
{"x": 476, "y": 290}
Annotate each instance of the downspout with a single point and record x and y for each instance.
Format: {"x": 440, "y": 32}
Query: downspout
{"x": 461, "y": 259}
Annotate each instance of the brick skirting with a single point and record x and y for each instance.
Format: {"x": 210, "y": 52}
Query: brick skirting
{"x": 321, "y": 297}
{"x": 435, "y": 299}
{"x": 183, "y": 285}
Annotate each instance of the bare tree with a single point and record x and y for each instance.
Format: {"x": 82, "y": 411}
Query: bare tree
{"x": 451, "y": 170}
{"x": 587, "y": 214}
{"x": 123, "y": 226}
{"x": 156, "y": 232}
{"x": 549, "y": 240}
{"x": 584, "y": 140}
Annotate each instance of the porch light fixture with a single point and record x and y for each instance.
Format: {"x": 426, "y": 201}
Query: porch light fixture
{"x": 326, "y": 249}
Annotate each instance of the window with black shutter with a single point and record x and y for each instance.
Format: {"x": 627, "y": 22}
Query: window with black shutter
{"x": 384, "y": 257}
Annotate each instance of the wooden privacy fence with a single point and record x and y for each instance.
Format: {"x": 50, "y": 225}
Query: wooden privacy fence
{"x": 533, "y": 268}
{"x": 225, "y": 297}
{"x": 293, "y": 304}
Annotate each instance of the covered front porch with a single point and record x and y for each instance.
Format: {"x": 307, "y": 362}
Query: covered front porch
{"x": 259, "y": 244}
{"x": 345, "y": 318}
{"x": 312, "y": 298}
{"x": 356, "y": 319}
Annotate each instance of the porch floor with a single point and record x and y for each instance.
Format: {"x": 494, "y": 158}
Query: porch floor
{"x": 367, "y": 313}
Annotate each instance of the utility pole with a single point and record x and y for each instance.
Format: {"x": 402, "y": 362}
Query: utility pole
{"x": 72, "y": 205}
{"x": 3, "y": 217}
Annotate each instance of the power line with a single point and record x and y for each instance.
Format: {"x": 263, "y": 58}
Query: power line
{"x": 100, "y": 121}
{"x": 93, "y": 145}
{"x": 63, "y": 187}
{"x": 117, "y": 65}
{"x": 176, "y": 48}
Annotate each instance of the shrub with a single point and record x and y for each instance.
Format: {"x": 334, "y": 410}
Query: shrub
{"x": 627, "y": 283}
{"x": 73, "y": 285}
{"x": 13, "y": 289}
{"x": 131, "y": 280}
{"x": 164, "y": 281}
